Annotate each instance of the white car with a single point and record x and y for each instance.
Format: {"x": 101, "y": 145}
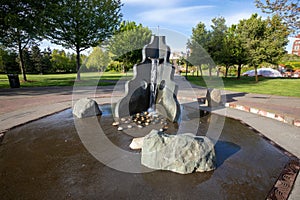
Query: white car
{"x": 266, "y": 72}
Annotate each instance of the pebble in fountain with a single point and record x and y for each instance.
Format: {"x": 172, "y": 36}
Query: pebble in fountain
{"x": 152, "y": 88}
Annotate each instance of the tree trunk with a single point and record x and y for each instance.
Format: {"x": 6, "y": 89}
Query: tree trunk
{"x": 78, "y": 63}
{"x": 226, "y": 71}
{"x": 239, "y": 71}
{"x": 123, "y": 68}
{"x": 256, "y": 75}
{"x": 200, "y": 68}
{"x": 22, "y": 65}
{"x": 209, "y": 71}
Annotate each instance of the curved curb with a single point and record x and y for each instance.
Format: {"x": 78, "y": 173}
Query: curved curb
{"x": 279, "y": 117}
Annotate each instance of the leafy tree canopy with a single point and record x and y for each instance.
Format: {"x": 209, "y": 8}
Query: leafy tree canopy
{"x": 199, "y": 44}
{"x": 20, "y": 25}
{"x": 79, "y": 25}
{"x": 98, "y": 59}
{"x": 263, "y": 40}
{"x": 128, "y": 42}
{"x": 288, "y": 10}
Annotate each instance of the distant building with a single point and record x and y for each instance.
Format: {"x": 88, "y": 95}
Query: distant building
{"x": 176, "y": 55}
{"x": 296, "y": 46}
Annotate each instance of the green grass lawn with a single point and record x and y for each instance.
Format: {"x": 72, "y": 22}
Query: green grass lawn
{"x": 274, "y": 86}
{"x": 48, "y": 80}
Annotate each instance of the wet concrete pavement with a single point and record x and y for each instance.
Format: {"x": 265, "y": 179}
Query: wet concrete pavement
{"x": 18, "y": 106}
{"x": 46, "y": 159}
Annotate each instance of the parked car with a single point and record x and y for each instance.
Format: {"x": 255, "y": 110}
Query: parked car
{"x": 266, "y": 72}
{"x": 288, "y": 72}
{"x": 296, "y": 73}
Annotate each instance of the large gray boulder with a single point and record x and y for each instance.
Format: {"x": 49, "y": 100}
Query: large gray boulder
{"x": 184, "y": 153}
{"x": 86, "y": 107}
{"x": 213, "y": 98}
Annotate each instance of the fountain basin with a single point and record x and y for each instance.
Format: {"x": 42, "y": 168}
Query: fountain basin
{"x": 46, "y": 159}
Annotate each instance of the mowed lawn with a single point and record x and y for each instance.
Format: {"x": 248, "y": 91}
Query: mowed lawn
{"x": 48, "y": 80}
{"x": 274, "y": 86}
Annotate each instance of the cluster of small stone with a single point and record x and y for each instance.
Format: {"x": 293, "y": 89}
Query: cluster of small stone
{"x": 141, "y": 120}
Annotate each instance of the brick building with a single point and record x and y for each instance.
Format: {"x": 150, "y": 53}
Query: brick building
{"x": 296, "y": 46}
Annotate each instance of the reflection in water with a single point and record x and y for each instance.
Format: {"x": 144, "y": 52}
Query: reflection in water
{"x": 225, "y": 150}
{"x": 45, "y": 159}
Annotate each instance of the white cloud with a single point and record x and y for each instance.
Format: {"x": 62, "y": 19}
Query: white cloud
{"x": 180, "y": 15}
{"x": 156, "y": 3}
{"x": 236, "y": 17}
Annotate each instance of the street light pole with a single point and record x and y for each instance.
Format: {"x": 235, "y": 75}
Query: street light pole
{"x": 186, "y": 69}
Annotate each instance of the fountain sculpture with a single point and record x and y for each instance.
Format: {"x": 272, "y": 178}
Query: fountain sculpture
{"x": 152, "y": 87}
{"x": 153, "y": 91}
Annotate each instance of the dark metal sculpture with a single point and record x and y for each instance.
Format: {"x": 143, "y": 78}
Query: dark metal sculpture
{"x": 152, "y": 87}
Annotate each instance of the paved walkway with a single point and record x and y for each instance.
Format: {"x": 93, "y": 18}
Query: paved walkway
{"x": 276, "y": 117}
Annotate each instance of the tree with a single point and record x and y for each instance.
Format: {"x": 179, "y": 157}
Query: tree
{"x": 276, "y": 39}
{"x": 253, "y": 35}
{"x": 234, "y": 42}
{"x": 288, "y": 10}
{"x": 20, "y": 25}
{"x": 27, "y": 60}
{"x": 98, "y": 59}
{"x": 46, "y": 60}
{"x": 228, "y": 49}
{"x": 217, "y": 47}
{"x": 128, "y": 42}
{"x": 217, "y": 39}
{"x": 80, "y": 25}
{"x": 36, "y": 58}
{"x": 263, "y": 40}
{"x": 8, "y": 62}
{"x": 60, "y": 61}
{"x": 198, "y": 46}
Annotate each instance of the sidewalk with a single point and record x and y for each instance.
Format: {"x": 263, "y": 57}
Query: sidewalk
{"x": 22, "y": 105}
{"x": 284, "y": 109}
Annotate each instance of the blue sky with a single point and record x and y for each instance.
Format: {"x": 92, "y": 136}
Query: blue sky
{"x": 178, "y": 17}
{"x": 182, "y": 15}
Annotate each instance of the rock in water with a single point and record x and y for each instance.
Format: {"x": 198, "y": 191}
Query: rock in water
{"x": 136, "y": 143}
{"x": 213, "y": 98}
{"x": 86, "y": 107}
{"x": 184, "y": 153}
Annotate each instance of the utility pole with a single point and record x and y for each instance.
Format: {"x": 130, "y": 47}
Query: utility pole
{"x": 186, "y": 69}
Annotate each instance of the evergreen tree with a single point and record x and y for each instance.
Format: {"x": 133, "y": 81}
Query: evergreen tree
{"x": 36, "y": 58}
{"x": 199, "y": 45}
{"x": 46, "y": 61}
{"x": 217, "y": 47}
{"x": 237, "y": 52}
{"x": 27, "y": 60}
